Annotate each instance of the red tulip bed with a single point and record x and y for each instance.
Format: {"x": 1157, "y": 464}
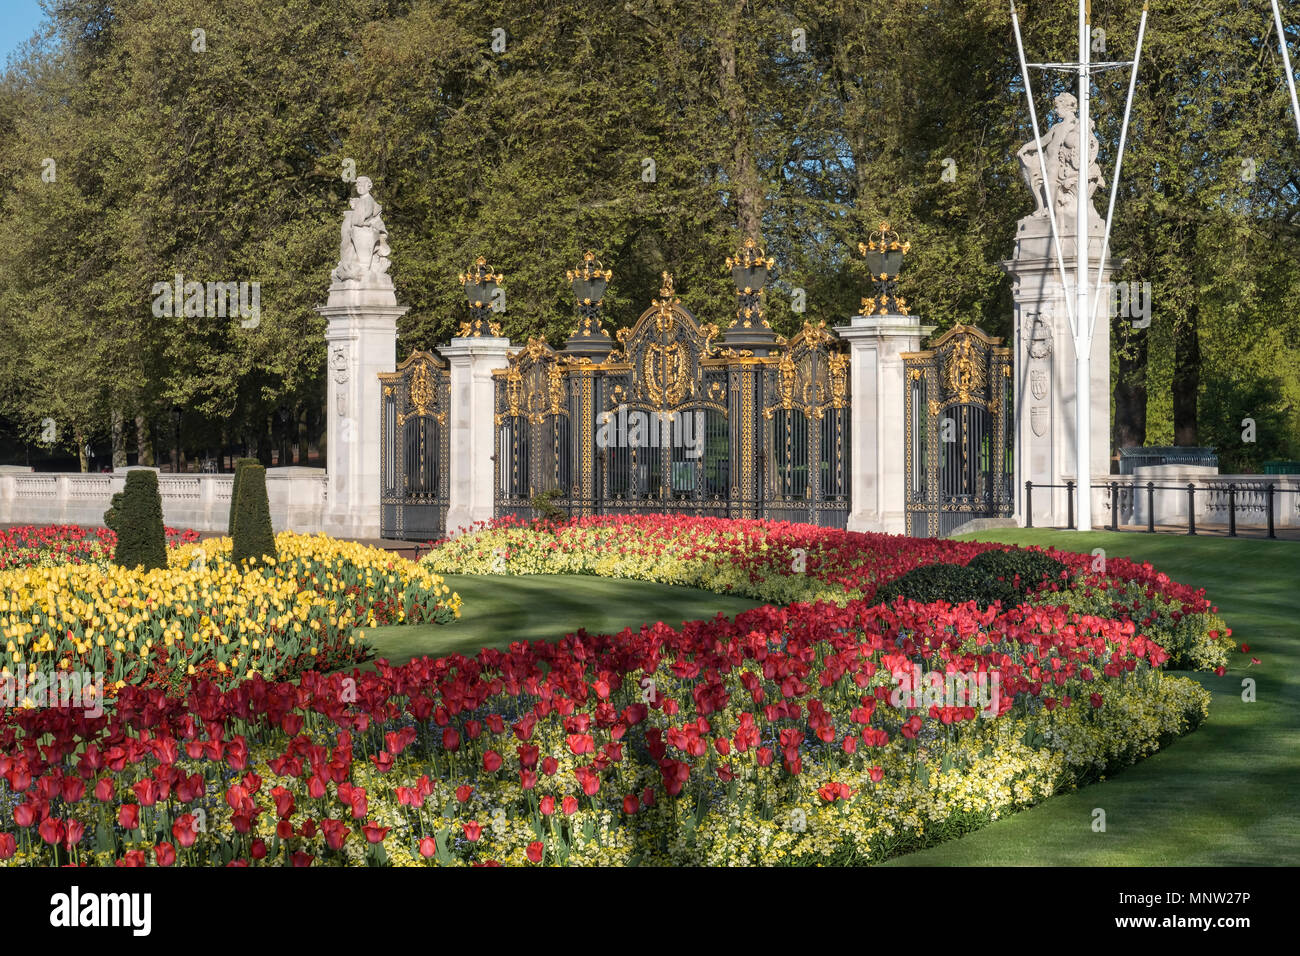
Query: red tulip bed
{"x": 795, "y": 734}
{"x": 30, "y": 546}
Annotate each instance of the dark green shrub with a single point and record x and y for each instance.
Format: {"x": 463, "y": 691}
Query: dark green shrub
{"x": 136, "y": 517}
{"x": 544, "y": 505}
{"x": 114, "y": 509}
{"x": 234, "y": 492}
{"x": 953, "y": 583}
{"x": 253, "y": 537}
{"x": 1031, "y": 566}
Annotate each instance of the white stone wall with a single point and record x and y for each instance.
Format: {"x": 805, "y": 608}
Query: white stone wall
{"x": 1169, "y": 498}
{"x": 201, "y": 502}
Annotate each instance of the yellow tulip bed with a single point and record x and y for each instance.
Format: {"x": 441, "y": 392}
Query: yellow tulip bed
{"x": 204, "y": 616}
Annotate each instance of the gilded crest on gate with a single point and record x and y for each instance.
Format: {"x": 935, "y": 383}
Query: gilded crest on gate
{"x": 964, "y": 373}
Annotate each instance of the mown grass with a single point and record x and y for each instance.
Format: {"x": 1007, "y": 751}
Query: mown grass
{"x": 1225, "y": 795}
{"x": 503, "y": 608}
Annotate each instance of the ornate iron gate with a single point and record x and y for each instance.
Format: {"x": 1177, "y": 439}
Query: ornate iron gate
{"x": 533, "y": 452}
{"x": 667, "y": 420}
{"x": 415, "y": 464}
{"x": 959, "y": 439}
{"x": 807, "y": 430}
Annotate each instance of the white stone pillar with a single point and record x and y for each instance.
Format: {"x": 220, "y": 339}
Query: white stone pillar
{"x": 361, "y": 342}
{"x": 877, "y": 488}
{"x": 473, "y": 427}
{"x": 1044, "y": 370}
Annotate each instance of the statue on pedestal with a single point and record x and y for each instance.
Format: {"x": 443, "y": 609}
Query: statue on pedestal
{"x": 1061, "y": 155}
{"x": 363, "y": 252}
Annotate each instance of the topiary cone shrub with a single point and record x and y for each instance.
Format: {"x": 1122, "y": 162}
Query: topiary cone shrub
{"x": 253, "y": 535}
{"x": 240, "y": 464}
{"x": 136, "y": 516}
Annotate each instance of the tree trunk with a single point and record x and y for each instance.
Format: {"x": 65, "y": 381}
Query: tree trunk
{"x": 118, "y": 430}
{"x": 1187, "y": 377}
{"x": 265, "y": 441}
{"x": 82, "y": 458}
{"x": 143, "y": 441}
{"x": 1130, "y": 384}
{"x": 301, "y": 429}
{"x": 747, "y": 195}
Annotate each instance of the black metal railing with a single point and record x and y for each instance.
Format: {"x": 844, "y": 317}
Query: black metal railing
{"x": 1227, "y": 497}
{"x": 1069, "y": 502}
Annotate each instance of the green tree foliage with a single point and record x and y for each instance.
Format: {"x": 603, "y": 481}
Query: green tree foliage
{"x": 253, "y": 536}
{"x": 136, "y": 517}
{"x": 522, "y": 131}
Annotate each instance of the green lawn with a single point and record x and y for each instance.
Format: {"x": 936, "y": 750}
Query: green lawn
{"x": 501, "y": 608}
{"x": 1228, "y": 794}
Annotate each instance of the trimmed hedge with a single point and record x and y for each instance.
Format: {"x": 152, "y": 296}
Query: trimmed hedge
{"x": 240, "y": 464}
{"x": 135, "y": 515}
{"x": 954, "y": 583}
{"x": 1006, "y": 576}
{"x": 1031, "y": 567}
{"x": 253, "y": 536}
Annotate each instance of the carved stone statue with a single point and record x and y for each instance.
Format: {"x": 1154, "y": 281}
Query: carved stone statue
{"x": 1061, "y": 155}
{"x": 363, "y": 251}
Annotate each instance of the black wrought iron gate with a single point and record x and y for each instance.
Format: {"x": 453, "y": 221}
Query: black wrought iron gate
{"x": 960, "y": 435}
{"x": 668, "y": 420}
{"x": 414, "y": 469}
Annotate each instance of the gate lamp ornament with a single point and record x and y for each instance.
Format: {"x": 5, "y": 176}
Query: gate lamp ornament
{"x": 750, "y": 269}
{"x": 481, "y": 290}
{"x": 884, "y": 255}
{"x": 589, "y": 280}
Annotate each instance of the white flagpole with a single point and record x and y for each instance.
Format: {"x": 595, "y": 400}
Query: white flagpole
{"x": 1083, "y": 330}
{"x": 1119, "y": 162}
{"x": 1286, "y": 62}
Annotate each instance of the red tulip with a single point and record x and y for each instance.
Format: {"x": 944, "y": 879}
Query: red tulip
{"x": 76, "y": 830}
{"x": 128, "y": 816}
{"x": 569, "y": 805}
{"x": 533, "y": 852}
{"x": 546, "y": 805}
{"x": 183, "y": 829}
{"x": 52, "y": 831}
{"x": 257, "y": 849}
{"x": 9, "y": 846}
{"x": 428, "y": 847}
{"x": 491, "y": 761}
{"x": 164, "y": 854}
{"x": 472, "y": 831}
{"x": 374, "y": 832}
{"x": 463, "y": 792}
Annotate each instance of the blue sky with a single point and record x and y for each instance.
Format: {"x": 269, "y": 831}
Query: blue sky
{"x": 18, "y": 20}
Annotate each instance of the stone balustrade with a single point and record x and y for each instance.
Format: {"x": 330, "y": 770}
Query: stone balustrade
{"x": 202, "y": 502}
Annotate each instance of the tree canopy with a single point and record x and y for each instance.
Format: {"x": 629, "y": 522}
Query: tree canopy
{"x": 217, "y": 140}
